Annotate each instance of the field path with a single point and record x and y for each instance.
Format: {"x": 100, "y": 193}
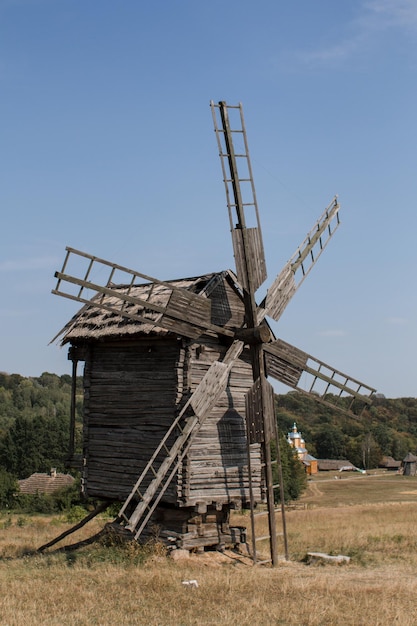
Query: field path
{"x": 312, "y": 492}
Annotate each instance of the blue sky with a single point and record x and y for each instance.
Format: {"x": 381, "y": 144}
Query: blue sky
{"x": 108, "y": 146}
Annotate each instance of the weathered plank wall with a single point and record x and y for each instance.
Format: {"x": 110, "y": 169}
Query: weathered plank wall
{"x": 130, "y": 398}
{"x": 217, "y": 465}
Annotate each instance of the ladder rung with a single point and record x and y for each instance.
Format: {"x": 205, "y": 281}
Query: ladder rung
{"x": 243, "y": 204}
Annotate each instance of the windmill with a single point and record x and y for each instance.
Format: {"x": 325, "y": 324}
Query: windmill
{"x": 194, "y": 313}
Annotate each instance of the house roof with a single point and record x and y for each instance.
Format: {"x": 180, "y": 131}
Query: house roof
{"x": 410, "y": 458}
{"x": 334, "y": 464}
{"x": 45, "y": 483}
{"x": 97, "y": 323}
{"x": 389, "y": 462}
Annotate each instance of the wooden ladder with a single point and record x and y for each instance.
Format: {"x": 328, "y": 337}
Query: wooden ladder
{"x": 158, "y": 475}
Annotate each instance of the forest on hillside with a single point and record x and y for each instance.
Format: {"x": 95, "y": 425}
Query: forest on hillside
{"x": 35, "y": 411}
{"x": 34, "y": 422}
{"x": 387, "y": 428}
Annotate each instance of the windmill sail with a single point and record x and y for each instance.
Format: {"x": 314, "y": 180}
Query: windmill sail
{"x": 159, "y": 303}
{"x": 289, "y": 365}
{"x": 240, "y": 195}
{"x": 301, "y": 263}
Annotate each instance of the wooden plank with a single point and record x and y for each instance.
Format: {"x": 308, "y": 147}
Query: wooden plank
{"x": 256, "y": 260}
{"x": 280, "y": 293}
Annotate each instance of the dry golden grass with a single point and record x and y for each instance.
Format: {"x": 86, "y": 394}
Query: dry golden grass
{"x": 115, "y": 585}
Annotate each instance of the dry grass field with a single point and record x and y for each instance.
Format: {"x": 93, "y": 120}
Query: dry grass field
{"x": 372, "y": 519}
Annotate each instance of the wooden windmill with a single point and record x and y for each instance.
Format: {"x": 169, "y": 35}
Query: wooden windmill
{"x": 178, "y": 412}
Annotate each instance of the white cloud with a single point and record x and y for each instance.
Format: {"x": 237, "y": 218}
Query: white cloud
{"x": 387, "y": 13}
{"x": 374, "y": 19}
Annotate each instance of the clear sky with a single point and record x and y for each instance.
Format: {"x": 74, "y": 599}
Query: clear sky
{"x": 107, "y": 146}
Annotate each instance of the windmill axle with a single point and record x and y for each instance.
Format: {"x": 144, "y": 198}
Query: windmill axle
{"x": 254, "y": 336}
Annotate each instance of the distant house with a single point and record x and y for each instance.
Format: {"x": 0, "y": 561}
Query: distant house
{"x": 296, "y": 441}
{"x": 410, "y": 465}
{"x": 45, "y": 483}
{"x": 389, "y": 463}
{"x": 332, "y": 465}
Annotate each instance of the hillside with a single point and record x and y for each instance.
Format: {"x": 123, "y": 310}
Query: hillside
{"x": 34, "y": 422}
{"x": 388, "y": 427}
{"x": 34, "y": 425}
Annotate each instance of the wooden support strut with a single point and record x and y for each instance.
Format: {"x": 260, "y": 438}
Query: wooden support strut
{"x": 99, "y": 509}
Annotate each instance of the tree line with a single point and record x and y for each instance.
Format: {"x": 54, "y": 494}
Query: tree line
{"x": 34, "y": 422}
{"x": 35, "y": 412}
{"x": 34, "y": 431}
{"x": 387, "y": 428}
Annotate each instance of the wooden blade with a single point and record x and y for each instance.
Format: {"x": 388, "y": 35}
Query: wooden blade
{"x": 258, "y": 401}
{"x": 249, "y": 257}
{"x": 240, "y": 194}
{"x": 158, "y": 303}
{"x": 288, "y": 364}
{"x": 298, "y": 267}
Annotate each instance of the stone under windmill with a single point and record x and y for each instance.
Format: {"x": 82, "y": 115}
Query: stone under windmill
{"x": 178, "y": 413}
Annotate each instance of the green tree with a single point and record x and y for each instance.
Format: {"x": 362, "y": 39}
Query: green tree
{"x": 383, "y": 437}
{"x": 8, "y": 489}
{"x": 34, "y": 445}
{"x": 354, "y": 451}
{"x": 293, "y": 472}
{"x": 330, "y": 443}
{"x": 401, "y": 446}
{"x": 371, "y": 452}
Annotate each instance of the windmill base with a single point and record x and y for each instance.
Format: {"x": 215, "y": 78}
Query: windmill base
{"x": 187, "y": 529}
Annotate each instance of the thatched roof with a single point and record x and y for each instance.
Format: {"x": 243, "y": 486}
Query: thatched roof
{"x": 334, "y": 464}
{"x": 410, "y": 458}
{"x": 45, "y": 483}
{"x": 97, "y": 323}
{"x": 388, "y": 462}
